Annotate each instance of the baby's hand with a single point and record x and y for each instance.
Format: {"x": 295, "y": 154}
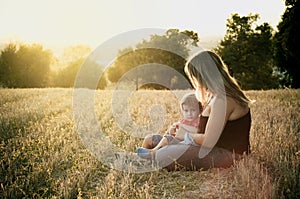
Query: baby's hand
{"x": 172, "y": 129}
{"x": 180, "y": 133}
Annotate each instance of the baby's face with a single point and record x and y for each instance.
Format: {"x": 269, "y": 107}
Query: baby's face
{"x": 190, "y": 113}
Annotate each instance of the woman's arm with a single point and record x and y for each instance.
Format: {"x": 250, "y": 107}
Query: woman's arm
{"x": 217, "y": 119}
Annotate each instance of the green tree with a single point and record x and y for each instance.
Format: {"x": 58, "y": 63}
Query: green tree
{"x": 71, "y": 62}
{"x": 26, "y": 67}
{"x": 72, "y": 53}
{"x": 247, "y": 50}
{"x": 170, "y": 49}
{"x": 287, "y": 42}
{"x": 66, "y": 77}
{"x": 8, "y": 71}
{"x": 34, "y": 66}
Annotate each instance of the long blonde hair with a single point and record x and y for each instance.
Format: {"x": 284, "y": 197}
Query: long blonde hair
{"x": 207, "y": 71}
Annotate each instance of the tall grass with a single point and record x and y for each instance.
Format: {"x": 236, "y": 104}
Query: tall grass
{"x": 275, "y": 138}
{"x": 42, "y": 155}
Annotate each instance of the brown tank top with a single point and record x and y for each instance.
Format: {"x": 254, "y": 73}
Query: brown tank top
{"x": 235, "y": 135}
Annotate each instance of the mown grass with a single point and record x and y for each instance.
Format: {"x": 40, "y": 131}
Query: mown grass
{"x": 42, "y": 155}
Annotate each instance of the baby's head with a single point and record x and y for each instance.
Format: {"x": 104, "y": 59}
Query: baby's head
{"x": 190, "y": 107}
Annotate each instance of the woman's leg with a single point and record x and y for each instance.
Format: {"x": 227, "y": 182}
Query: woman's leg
{"x": 177, "y": 156}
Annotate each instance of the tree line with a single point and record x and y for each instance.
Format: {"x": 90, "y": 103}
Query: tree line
{"x": 257, "y": 56}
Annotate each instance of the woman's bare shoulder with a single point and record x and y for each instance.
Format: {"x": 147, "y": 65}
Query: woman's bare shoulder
{"x": 233, "y": 109}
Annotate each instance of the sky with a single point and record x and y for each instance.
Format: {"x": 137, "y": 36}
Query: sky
{"x": 60, "y": 23}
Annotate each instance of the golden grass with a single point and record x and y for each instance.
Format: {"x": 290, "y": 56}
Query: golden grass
{"x": 42, "y": 155}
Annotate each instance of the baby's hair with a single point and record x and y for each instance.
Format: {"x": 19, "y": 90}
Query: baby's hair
{"x": 190, "y": 99}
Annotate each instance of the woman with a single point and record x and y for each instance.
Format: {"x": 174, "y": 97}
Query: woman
{"x": 223, "y": 133}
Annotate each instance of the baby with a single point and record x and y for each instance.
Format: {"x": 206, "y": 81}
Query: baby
{"x": 190, "y": 110}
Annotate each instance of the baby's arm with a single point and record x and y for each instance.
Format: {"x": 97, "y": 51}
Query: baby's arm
{"x": 188, "y": 128}
{"x": 183, "y": 129}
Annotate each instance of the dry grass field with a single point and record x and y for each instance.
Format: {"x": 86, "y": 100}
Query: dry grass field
{"x": 43, "y": 156}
